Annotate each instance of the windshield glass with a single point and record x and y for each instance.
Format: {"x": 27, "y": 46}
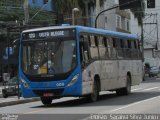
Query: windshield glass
{"x": 49, "y": 57}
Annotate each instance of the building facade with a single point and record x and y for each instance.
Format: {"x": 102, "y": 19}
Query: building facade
{"x": 116, "y": 19}
{"x": 151, "y": 31}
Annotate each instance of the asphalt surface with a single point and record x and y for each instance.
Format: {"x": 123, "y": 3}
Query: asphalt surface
{"x": 144, "y": 99}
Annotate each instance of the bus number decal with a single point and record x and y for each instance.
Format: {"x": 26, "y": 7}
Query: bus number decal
{"x": 60, "y": 84}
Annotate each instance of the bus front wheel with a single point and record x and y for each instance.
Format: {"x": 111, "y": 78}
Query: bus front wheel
{"x": 127, "y": 89}
{"x": 46, "y": 100}
{"x": 93, "y": 97}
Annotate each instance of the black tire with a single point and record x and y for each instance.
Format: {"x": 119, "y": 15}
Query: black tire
{"x": 46, "y": 100}
{"x": 127, "y": 89}
{"x": 93, "y": 97}
{"x": 4, "y": 95}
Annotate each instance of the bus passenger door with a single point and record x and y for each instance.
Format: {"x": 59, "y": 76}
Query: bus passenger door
{"x": 85, "y": 66}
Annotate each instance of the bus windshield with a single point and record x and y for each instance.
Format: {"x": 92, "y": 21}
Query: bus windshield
{"x": 49, "y": 57}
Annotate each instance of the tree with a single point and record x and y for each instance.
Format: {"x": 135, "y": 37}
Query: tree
{"x": 139, "y": 13}
{"x": 66, "y": 6}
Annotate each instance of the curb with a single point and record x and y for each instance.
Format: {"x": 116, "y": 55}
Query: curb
{"x": 16, "y": 102}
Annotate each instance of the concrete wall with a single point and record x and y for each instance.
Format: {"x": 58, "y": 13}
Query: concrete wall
{"x": 148, "y": 53}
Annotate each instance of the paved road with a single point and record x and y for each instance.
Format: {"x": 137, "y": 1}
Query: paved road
{"x": 145, "y": 99}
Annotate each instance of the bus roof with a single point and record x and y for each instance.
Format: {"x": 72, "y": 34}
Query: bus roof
{"x": 87, "y": 30}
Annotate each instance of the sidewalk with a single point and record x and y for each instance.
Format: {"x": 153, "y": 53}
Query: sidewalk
{"x": 13, "y": 100}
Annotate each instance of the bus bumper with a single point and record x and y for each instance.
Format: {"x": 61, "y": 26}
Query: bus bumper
{"x": 74, "y": 90}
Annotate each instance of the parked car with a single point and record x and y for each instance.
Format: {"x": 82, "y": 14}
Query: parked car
{"x": 0, "y": 78}
{"x": 154, "y": 71}
{"x": 11, "y": 88}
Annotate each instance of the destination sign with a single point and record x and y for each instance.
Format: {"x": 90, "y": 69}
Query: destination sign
{"x": 46, "y": 34}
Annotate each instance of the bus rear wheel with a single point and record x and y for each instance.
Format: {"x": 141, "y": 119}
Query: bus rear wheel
{"x": 46, "y": 100}
{"x": 93, "y": 97}
{"x": 127, "y": 89}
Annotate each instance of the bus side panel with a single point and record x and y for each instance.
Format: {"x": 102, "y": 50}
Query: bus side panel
{"x": 137, "y": 76}
{"x": 112, "y": 74}
{"x": 132, "y": 66}
{"x": 88, "y": 77}
{"x": 124, "y": 67}
{"x": 109, "y": 74}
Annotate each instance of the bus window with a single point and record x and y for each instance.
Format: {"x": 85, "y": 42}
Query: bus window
{"x": 93, "y": 48}
{"x": 102, "y": 48}
{"x": 105, "y": 39}
{"x": 122, "y": 43}
{"x": 92, "y": 41}
{"x": 129, "y": 53}
{"x": 113, "y": 48}
{"x": 135, "y": 45}
{"x": 139, "y": 49}
{"x": 129, "y": 43}
{"x": 134, "y": 49}
{"x": 84, "y": 51}
{"x": 114, "y": 43}
{"x": 120, "y": 48}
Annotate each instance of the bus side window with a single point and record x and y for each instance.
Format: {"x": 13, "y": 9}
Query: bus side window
{"x": 120, "y": 48}
{"x": 133, "y": 50}
{"x": 84, "y": 51}
{"x": 139, "y": 49}
{"x": 101, "y": 46}
{"x": 110, "y": 47}
{"x": 113, "y": 49}
{"x": 93, "y": 47}
{"x": 129, "y": 49}
{"x": 106, "y": 46}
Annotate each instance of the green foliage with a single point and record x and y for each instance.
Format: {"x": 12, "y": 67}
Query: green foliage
{"x": 139, "y": 13}
{"x": 41, "y": 17}
{"x": 66, "y": 6}
{"x": 18, "y": 15}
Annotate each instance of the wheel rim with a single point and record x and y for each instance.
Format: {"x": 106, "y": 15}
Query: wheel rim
{"x": 95, "y": 93}
{"x": 128, "y": 84}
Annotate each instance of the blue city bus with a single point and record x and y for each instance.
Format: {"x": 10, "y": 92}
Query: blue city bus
{"x": 61, "y": 61}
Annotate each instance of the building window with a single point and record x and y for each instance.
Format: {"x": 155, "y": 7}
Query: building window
{"x": 118, "y": 21}
{"x": 123, "y": 23}
{"x": 127, "y": 25}
{"x": 106, "y": 20}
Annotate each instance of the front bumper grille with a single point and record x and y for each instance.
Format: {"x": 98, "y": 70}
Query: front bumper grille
{"x": 55, "y": 92}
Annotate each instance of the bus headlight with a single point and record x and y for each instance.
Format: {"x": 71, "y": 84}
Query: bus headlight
{"x": 74, "y": 79}
{"x": 24, "y": 83}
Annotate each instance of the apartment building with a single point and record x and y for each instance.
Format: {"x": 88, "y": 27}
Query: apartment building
{"x": 116, "y": 19}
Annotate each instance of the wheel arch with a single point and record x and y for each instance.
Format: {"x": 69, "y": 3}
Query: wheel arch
{"x": 97, "y": 79}
{"x": 130, "y": 76}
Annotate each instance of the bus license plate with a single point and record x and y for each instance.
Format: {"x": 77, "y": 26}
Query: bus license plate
{"x": 48, "y": 94}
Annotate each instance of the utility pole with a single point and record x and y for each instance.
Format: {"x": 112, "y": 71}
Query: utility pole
{"x": 154, "y": 23}
{"x": 97, "y": 12}
{"x": 142, "y": 41}
{"x": 26, "y": 11}
{"x": 157, "y": 44}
